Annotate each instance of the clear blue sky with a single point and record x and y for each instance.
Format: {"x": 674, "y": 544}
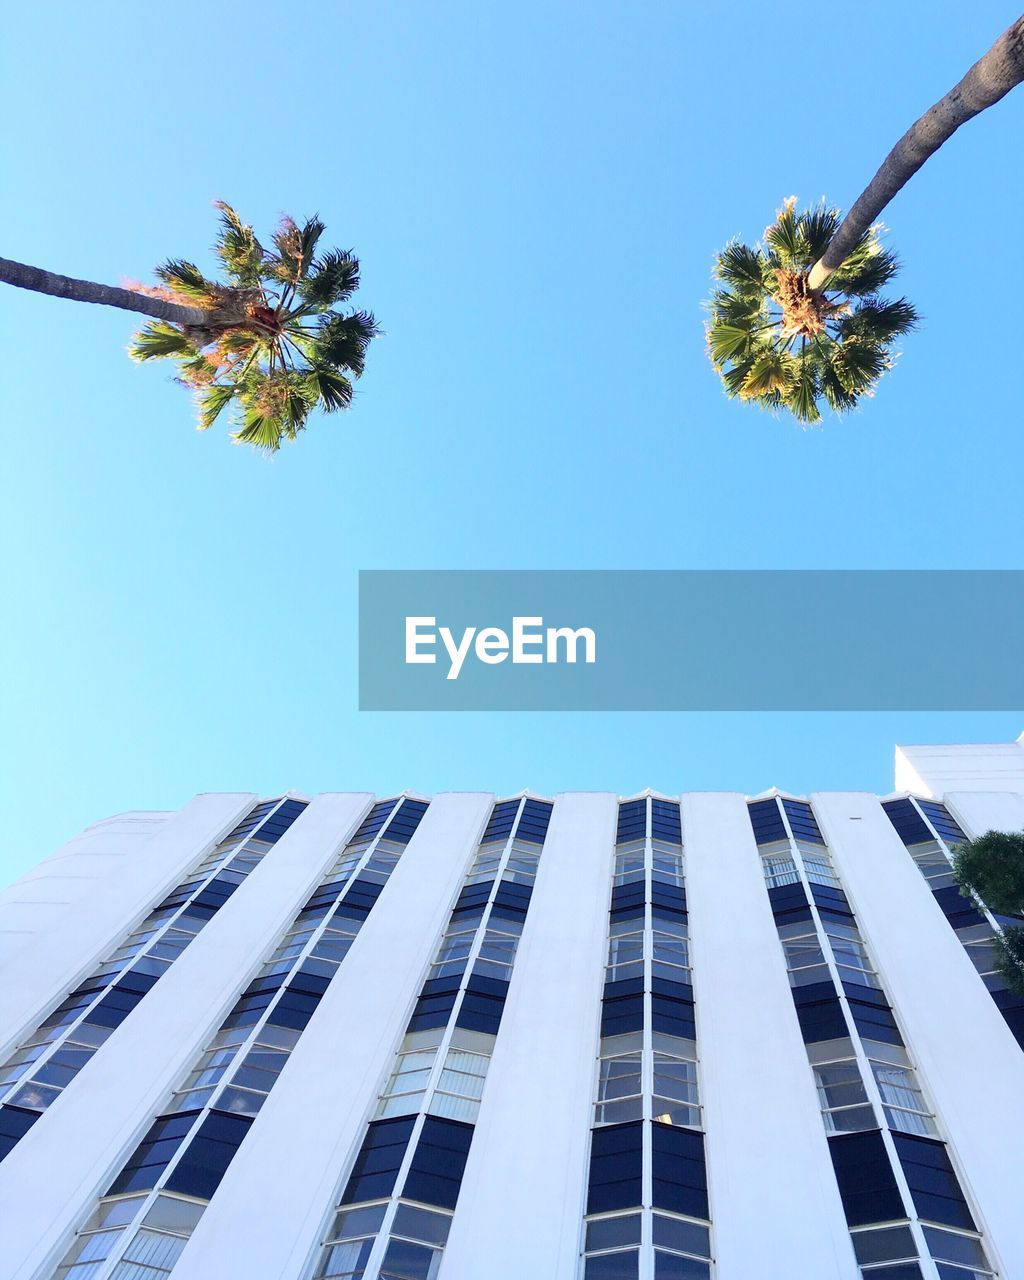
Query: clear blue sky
{"x": 536, "y": 192}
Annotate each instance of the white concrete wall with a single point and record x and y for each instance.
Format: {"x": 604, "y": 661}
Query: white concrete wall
{"x": 267, "y": 1214}
{"x": 935, "y": 770}
{"x": 61, "y": 942}
{"x": 981, "y": 811}
{"x": 33, "y": 904}
{"x": 775, "y": 1208}
{"x": 78, "y": 1145}
{"x": 523, "y": 1195}
{"x": 968, "y": 1059}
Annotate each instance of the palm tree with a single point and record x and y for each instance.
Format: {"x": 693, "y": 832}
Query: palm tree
{"x": 804, "y": 282}
{"x": 777, "y": 343}
{"x": 270, "y": 342}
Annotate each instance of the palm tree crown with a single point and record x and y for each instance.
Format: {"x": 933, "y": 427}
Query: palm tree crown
{"x": 274, "y": 345}
{"x": 778, "y": 343}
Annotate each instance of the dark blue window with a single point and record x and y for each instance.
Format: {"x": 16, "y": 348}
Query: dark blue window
{"x": 678, "y": 1170}
{"x": 665, "y": 822}
{"x": 14, "y": 1124}
{"x": 802, "y": 821}
{"x": 943, "y": 822}
{"x": 910, "y": 826}
{"x": 533, "y": 825}
{"x": 380, "y": 1157}
{"x": 503, "y": 817}
{"x": 206, "y": 1158}
{"x": 632, "y": 821}
{"x": 435, "y": 1174}
{"x": 766, "y": 821}
{"x": 821, "y": 1020}
{"x": 867, "y": 1185}
{"x": 402, "y": 826}
{"x": 933, "y": 1184}
{"x": 616, "y": 1167}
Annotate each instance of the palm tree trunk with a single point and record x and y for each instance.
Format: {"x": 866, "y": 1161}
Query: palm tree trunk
{"x": 991, "y": 78}
{"x": 24, "y": 277}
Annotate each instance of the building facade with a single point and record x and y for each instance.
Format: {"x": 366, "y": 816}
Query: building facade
{"x": 467, "y": 1037}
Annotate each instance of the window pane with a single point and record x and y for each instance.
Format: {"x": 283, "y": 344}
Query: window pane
{"x": 890, "y": 1244}
{"x": 947, "y": 1246}
{"x": 839, "y": 1084}
{"x": 673, "y": 1266}
{"x": 613, "y": 1266}
{"x": 607, "y": 1233}
{"x": 687, "y": 1237}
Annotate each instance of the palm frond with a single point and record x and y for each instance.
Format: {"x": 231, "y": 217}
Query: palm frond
{"x": 211, "y": 402}
{"x": 296, "y": 247}
{"x": 342, "y": 340}
{"x": 741, "y": 267}
{"x": 259, "y": 430}
{"x": 160, "y": 339}
{"x": 186, "y": 279}
{"x": 333, "y": 390}
{"x": 816, "y": 228}
{"x": 728, "y": 342}
{"x": 784, "y": 235}
{"x": 237, "y": 247}
{"x": 771, "y": 372}
{"x": 335, "y": 277}
{"x": 803, "y": 397}
{"x": 879, "y": 321}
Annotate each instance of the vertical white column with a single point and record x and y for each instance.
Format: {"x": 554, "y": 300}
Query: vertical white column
{"x": 981, "y": 811}
{"x": 267, "y": 1214}
{"x": 775, "y": 1207}
{"x": 524, "y": 1190}
{"x": 76, "y": 1147}
{"x": 968, "y": 1059}
{"x": 74, "y": 935}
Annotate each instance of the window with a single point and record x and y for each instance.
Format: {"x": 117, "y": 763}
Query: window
{"x": 671, "y": 953}
{"x": 877, "y": 1247}
{"x": 416, "y": 1244}
{"x": 778, "y": 864}
{"x": 498, "y": 949}
{"x": 620, "y": 1088}
{"x": 611, "y": 1247}
{"x": 403, "y": 1094}
{"x": 350, "y": 1241}
{"x": 461, "y": 1082}
{"x": 850, "y": 954}
{"x": 957, "y": 1256}
{"x": 675, "y": 1097}
{"x": 902, "y": 1101}
{"x": 485, "y": 864}
{"x": 630, "y": 864}
{"x": 818, "y": 864}
{"x": 682, "y": 1249}
{"x": 456, "y": 945}
{"x": 666, "y": 863}
{"x": 933, "y": 864}
{"x": 843, "y": 1099}
{"x": 522, "y": 862}
{"x": 625, "y": 950}
{"x": 805, "y": 960}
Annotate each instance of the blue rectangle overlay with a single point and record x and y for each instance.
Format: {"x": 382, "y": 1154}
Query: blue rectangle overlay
{"x": 691, "y": 640}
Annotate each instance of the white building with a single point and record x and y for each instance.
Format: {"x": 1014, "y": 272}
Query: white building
{"x": 517, "y": 1039}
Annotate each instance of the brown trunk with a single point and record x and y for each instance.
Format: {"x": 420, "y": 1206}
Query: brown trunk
{"x": 991, "y": 78}
{"x": 25, "y": 277}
